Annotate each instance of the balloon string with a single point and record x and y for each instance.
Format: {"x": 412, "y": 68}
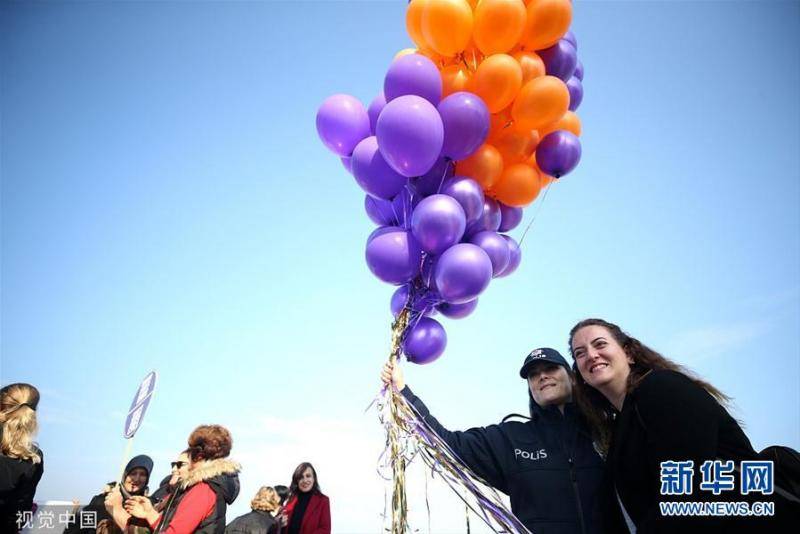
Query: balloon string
{"x": 398, "y": 460}
{"x": 538, "y": 209}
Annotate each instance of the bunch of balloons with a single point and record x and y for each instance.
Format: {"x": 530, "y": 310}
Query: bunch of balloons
{"x": 468, "y": 129}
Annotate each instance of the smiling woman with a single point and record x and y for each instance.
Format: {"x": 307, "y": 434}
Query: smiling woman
{"x": 646, "y": 410}
{"x": 547, "y": 465}
{"x": 307, "y": 511}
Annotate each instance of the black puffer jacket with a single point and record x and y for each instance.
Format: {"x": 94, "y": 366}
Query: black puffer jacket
{"x": 18, "y": 481}
{"x": 256, "y": 522}
{"x": 548, "y": 466}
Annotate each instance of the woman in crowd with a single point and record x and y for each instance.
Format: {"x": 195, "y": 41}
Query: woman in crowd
{"x": 200, "y": 502}
{"x": 21, "y": 461}
{"x": 135, "y": 480}
{"x": 178, "y": 471}
{"x": 307, "y": 511}
{"x": 260, "y": 520}
{"x": 645, "y": 409}
{"x": 547, "y": 465}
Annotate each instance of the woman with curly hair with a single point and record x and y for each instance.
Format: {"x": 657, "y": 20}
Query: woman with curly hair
{"x": 200, "y": 502}
{"x": 645, "y": 409}
{"x": 21, "y": 461}
{"x": 260, "y": 520}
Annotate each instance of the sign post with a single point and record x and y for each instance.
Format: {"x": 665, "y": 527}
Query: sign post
{"x": 136, "y": 414}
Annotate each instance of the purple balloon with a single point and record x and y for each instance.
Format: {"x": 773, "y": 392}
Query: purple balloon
{"x": 393, "y": 255}
{"x": 579, "y": 70}
{"x": 489, "y": 219}
{"x": 575, "y": 88}
{"x": 410, "y": 135}
{"x": 468, "y": 193}
{"x": 372, "y": 173}
{"x": 571, "y": 39}
{"x": 342, "y": 122}
{"x": 462, "y": 273}
{"x": 379, "y": 232}
{"x": 558, "y": 153}
{"x": 465, "y": 118}
{"x": 348, "y": 163}
{"x": 374, "y": 110}
{"x": 379, "y": 211}
{"x": 413, "y": 74}
{"x": 432, "y": 181}
{"x": 560, "y": 59}
{"x": 425, "y": 341}
{"x": 438, "y": 223}
{"x": 495, "y": 247}
{"x": 399, "y": 300}
{"x": 510, "y": 217}
{"x": 424, "y": 303}
{"x": 457, "y": 311}
{"x": 403, "y": 206}
{"x": 515, "y": 256}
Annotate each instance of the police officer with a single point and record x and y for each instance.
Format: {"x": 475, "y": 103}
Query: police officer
{"x": 547, "y": 465}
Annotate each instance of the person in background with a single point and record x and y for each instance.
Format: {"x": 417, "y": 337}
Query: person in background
{"x": 179, "y": 469}
{"x": 21, "y": 460}
{"x": 307, "y": 511}
{"x": 211, "y": 484}
{"x": 283, "y": 493}
{"x": 136, "y": 477}
{"x": 261, "y": 519}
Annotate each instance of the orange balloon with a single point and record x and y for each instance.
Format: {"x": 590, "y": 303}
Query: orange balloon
{"x": 447, "y": 25}
{"x": 414, "y": 22}
{"x": 484, "y": 166}
{"x": 532, "y": 65}
{"x": 518, "y": 186}
{"x": 514, "y": 143}
{"x": 498, "y": 25}
{"x": 454, "y": 79}
{"x": 497, "y": 81}
{"x": 569, "y": 121}
{"x": 541, "y": 101}
{"x": 546, "y": 23}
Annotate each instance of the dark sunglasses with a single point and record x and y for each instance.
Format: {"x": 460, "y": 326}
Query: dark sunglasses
{"x": 178, "y": 465}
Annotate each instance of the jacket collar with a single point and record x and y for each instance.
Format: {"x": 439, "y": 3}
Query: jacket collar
{"x": 208, "y": 469}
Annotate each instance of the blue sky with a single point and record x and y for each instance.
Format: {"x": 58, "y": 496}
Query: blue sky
{"x": 166, "y": 205}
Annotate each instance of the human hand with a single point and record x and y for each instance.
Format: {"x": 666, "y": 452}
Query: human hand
{"x": 139, "y": 506}
{"x": 113, "y": 500}
{"x": 393, "y": 373}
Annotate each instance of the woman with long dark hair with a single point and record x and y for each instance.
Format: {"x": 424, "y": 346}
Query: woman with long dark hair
{"x": 307, "y": 511}
{"x": 645, "y": 409}
{"x": 21, "y": 464}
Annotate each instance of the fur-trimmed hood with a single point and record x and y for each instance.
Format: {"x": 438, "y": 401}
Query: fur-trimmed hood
{"x": 221, "y": 474}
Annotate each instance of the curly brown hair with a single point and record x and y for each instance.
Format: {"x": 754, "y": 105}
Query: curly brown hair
{"x": 209, "y": 442}
{"x": 595, "y": 407}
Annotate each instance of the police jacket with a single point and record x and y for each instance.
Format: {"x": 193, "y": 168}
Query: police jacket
{"x": 547, "y": 466}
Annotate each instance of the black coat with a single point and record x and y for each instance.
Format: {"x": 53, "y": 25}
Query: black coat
{"x": 256, "y": 522}
{"x": 547, "y": 466}
{"x": 667, "y": 417}
{"x": 18, "y": 481}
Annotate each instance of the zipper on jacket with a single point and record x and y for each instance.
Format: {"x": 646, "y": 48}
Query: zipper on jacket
{"x": 574, "y": 479}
